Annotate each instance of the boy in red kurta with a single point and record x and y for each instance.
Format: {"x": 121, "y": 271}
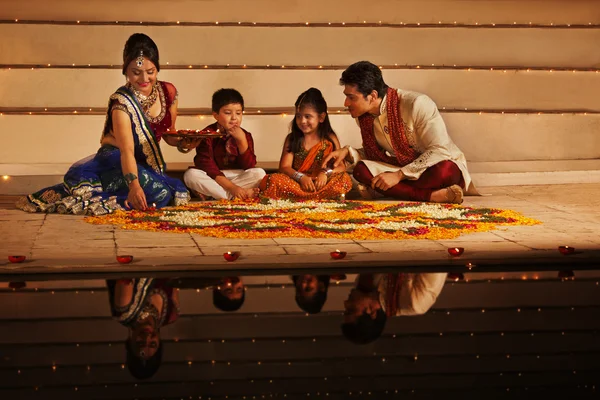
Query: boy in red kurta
{"x": 224, "y": 168}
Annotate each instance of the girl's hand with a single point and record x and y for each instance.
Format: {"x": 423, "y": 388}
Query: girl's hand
{"x": 307, "y": 184}
{"x": 136, "y": 197}
{"x": 320, "y": 181}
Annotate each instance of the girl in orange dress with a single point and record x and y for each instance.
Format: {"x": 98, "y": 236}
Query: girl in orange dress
{"x": 300, "y": 175}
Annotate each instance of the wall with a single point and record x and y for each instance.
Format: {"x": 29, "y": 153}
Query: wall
{"x": 516, "y": 81}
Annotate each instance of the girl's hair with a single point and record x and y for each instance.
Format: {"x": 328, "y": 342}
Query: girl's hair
{"x": 139, "y": 42}
{"x": 312, "y": 98}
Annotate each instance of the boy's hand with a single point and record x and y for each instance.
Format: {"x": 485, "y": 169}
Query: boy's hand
{"x": 236, "y": 132}
{"x": 238, "y": 192}
{"x": 244, "y": 194}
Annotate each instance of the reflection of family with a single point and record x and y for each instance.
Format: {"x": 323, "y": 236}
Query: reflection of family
{"x": 145, "y": 305}
{"x": 379, "y": 296}
{"x": 406, "y": 152}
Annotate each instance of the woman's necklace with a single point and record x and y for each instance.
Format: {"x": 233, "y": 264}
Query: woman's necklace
{"x": 149, "y": 311}
{"x": 145, "y": 101}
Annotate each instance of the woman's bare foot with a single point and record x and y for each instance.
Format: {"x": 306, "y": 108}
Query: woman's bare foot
{"x": 452, "y": 194}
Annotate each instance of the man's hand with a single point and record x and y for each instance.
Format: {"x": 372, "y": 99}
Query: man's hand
{"x": 338, "y": 155}
{"x": 386, "y": 180}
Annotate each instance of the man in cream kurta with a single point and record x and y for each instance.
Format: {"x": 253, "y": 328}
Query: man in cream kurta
{"x": 417, "y": 292}
{"x": 407, "y": 155}
{"x": 379, "y": 296}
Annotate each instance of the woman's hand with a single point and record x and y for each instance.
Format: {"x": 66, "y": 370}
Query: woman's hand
{"x": 136, "y": 198}
{"x": 187, "y": 144}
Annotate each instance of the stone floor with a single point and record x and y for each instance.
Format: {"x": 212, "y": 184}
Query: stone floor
{"x": 67, "y": 244}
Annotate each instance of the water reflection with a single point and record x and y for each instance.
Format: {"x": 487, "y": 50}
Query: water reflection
{"x": 282, "y": 336}
{"x": 379, "y": 296}
{"x": 143, "y": 306}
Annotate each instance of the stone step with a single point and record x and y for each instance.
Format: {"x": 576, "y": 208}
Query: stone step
{"x": 65, "y": 139}
{"x": 32, "y": 177}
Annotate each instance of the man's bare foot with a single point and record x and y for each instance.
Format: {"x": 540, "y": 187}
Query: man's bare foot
{"x": 452, "y": 194}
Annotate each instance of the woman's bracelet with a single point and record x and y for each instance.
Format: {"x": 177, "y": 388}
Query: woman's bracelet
{"x": 297, "y": 176}
{"x": 129, "y": 178}
{"x": 327, "y": 172}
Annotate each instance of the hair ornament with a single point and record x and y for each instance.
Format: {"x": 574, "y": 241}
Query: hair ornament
{"x": 140, "y": 60}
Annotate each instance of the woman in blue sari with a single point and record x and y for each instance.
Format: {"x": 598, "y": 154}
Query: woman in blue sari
{"x": 129, "y": 170}
{"x": 143, "y": 305}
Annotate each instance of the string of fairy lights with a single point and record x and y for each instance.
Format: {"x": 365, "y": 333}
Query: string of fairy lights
{"x": 453, "y": 277}
{"x": 284, "y": 112}
{"x": 502, "y": 69}
{"x": 206, "y": 112}
{"x": 505, "y": 364}
{"x": 318, "y": 24}
{"x": 377, "y": 360}
{"x": 574, "y": 388}
{"x": 261, "y": 382}
{"x": 571, "y": 390}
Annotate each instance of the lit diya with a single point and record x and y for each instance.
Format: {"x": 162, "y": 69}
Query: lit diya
{"x": 231, "y": 255}
{"x": 17, "y": 285}
{"x": 565, "y": 250}
{"x": 124, "y": 259}
{"x": 16, "y": 259}
{"x": 456, "y": 251}
{"x": 337, "y": 255}
{"x": 566, "y": 275}
{"x": 338, "y": 277}
{"x": 455, "y": 276}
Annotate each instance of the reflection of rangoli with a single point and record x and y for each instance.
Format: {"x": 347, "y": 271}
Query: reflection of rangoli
{"x": 318, "y": 219}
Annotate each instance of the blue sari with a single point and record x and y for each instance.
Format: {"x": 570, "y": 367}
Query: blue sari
{"x": 143, "y": 290}
{"x": 96, "y": 186}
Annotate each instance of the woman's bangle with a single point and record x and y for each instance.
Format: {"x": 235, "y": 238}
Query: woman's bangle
{"x": 129, "y": 178}
{"x": 327, "y": 172}
{"x": 297, "y": 176}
